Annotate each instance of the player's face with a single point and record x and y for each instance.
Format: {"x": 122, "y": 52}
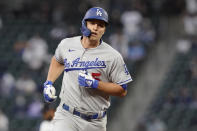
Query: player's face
{"x": 97, "y": 28}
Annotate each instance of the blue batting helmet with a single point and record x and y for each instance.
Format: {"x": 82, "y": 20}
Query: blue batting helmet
{"x": 93, "y": 13}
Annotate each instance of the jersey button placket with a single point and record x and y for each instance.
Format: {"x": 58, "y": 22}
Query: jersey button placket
{"x": 83, "y": 55}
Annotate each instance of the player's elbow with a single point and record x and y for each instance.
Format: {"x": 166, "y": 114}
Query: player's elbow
{"x": 123, "y": 90}
{"x": 123, "y": 93}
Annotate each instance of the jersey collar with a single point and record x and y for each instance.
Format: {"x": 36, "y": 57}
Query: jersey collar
{"x": 99, "y": 43}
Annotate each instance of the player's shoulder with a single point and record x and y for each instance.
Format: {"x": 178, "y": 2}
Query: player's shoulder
{"x": 113, "y": 52}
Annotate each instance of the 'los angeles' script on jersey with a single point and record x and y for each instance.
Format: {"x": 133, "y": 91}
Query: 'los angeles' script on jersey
{"x": 78, "y": 64}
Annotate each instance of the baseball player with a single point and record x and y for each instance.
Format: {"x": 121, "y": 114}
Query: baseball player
{"x": 93, "y": 71}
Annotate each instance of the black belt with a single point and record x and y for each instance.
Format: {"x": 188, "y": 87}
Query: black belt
{"x": 82, "y": 115}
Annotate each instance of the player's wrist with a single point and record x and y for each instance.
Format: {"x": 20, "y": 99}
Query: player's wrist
{"x": 95, "y": 84}
{"x": 48, "y": 82}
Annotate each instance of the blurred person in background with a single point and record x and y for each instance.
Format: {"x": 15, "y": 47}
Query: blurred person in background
{"x": 131, "y": 21}
{"x": 156, "y": 124}
{"x": 137, "y": 51}
{"x": 7, "y": 84}
{"x": 190, "y": 18}
{"x": 190, "y": 24}
{"x": 35, "y": 52}
{"x": 20, "y": 106}
{"x": 119, "y": 42}
{"x": 59, "y": 31}
{"x": 183, "y": 45}
{"x": 48, "y": 114}
{"x": 34, "y": 109}
{"x": 20, "y": 45}
{"x": 25, "y": 84}
{"x": 4, "y": 122}
{"x": 191, "y": 6}
{"x": 147, "y": 34}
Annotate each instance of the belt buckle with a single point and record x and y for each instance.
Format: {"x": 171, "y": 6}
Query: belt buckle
{"x": 86, "y": 117}
{"x": 89, "y": 117}
{"x": 82, "y": 115}
{"x": 75, "y": 112}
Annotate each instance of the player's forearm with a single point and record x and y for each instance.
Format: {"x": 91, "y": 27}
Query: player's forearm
{"x": 55, "y": 69}
{"x": 111, "y": 89}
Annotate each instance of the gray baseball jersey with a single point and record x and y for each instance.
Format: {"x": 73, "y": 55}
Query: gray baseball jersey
{"x": 103, "y": 63}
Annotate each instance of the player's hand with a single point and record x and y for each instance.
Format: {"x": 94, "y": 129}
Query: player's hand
{"x": 49, "y": 92}
{"x": 86, "y": 80}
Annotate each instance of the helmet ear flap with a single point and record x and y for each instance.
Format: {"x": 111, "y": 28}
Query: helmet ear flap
{"x": 84, "y": 30}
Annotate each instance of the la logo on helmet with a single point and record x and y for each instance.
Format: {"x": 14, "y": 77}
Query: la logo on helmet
{"x": 98, "y": 12}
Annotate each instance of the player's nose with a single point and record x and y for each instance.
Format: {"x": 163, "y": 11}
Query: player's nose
{"x": 95, "y": 26}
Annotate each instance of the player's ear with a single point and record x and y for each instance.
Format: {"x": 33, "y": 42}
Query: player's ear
{"x": 104, "y": 30}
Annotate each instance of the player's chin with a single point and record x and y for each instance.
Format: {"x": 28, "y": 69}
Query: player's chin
{"x": 94, "y": 38}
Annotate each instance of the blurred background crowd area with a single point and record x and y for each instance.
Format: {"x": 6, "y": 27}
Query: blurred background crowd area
{"x": 30, "y": 31}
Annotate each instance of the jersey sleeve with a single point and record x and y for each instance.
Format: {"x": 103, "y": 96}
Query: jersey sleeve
{"x": 119, "y": 73}
{"x": 59, "y": 53}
